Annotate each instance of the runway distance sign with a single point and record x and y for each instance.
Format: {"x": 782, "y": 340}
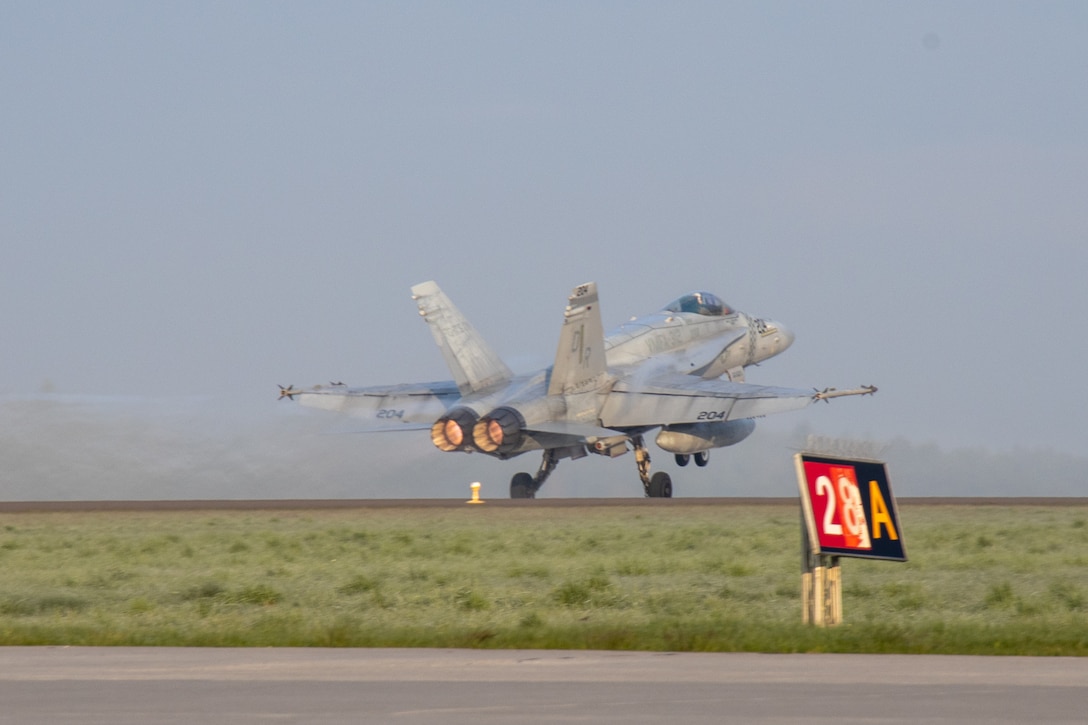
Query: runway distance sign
{"x": 849, "y": 509}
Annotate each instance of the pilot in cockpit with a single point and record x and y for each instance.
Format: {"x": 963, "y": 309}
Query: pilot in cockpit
{"x": 701, "y": 303}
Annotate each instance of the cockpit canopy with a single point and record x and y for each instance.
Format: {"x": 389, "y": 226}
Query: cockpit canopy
{"x": 701, "y": 303}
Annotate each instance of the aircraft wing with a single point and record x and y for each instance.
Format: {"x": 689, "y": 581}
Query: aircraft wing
{"x": 673, "y": 399}
{"x": 391, "y": 407}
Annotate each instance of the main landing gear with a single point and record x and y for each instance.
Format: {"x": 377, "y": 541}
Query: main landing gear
{"x": 659, "y": 485}
{"x": 522, "y": 485}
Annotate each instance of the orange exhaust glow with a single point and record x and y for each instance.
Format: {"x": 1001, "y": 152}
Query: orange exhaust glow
{"x": 453, "y": 432}
{"x": 440, "y": 436}
{"x": 481, "y": 436}
{"x": 494, "y": 432}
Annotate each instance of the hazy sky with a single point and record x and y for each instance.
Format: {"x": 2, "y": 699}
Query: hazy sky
{"x": 214, "y": 198}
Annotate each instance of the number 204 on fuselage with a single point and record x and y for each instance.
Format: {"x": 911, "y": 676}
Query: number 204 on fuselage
{"x": 679, "y": 371}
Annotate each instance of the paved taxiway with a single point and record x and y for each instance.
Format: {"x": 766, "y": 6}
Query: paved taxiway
{"x": 152, "y": 686}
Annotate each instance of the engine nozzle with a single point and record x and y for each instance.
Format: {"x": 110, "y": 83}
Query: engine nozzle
{"x": 450, "y": 432}
{"x": 500, "y": 431}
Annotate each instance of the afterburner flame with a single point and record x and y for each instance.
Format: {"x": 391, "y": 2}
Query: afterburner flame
{"x": 482, "y": 435}
{"x": 494, "y": 432}
{"x": 439, "y": 437}
{"x": 450, "y": 432}
{"x": 500, "y": 431}
{"x": 453, "y": 432}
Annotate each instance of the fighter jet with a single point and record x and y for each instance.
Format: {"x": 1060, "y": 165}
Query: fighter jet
{"x": 679, "y": 370}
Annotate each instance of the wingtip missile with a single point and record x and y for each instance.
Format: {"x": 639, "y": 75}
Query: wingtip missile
{"x": 827, "y": 393}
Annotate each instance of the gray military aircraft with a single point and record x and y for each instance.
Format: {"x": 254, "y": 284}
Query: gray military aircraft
{"x": 680, "y": 370}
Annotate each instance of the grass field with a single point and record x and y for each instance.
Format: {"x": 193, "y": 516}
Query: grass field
{"x": 981, "y": 580}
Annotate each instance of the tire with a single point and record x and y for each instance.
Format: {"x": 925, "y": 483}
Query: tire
{"x": 682, "y": 459}
{"x": 522, "y": 486}
{"x": 702, "y": 458}
{"x": 660, "y": 485}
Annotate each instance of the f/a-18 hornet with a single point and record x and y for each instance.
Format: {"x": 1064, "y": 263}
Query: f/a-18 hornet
{"x": 680, "y": 370}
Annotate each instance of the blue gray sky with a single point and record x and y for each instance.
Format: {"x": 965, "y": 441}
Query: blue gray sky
{"x": 210, "y": 199}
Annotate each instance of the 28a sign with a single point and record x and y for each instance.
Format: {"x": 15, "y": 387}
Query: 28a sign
{"x": 849, "y": 507}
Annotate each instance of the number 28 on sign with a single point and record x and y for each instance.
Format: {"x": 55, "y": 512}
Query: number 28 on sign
{"x": 852, "y": 509}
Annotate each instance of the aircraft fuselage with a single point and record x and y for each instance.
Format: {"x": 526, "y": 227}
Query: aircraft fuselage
{"x": 705, "y": 346}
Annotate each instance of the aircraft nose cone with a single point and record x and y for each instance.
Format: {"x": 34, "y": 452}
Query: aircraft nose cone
{"x": 785, "y": 336}
{"x": 780, "y": 339}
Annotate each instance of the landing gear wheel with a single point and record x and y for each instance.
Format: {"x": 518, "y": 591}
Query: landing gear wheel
{"x": 683, "y": 458}
{"x": 522, "y": 486}
{"x": 702, "y": 458}
{"x": 660, "y": 485}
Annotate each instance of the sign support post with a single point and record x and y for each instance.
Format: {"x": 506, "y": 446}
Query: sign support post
{"x": 821, "y": 585}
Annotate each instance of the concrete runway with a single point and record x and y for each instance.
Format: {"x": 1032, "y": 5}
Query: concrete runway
{"x": 308, "y": 504}
{"x": 151, "y": 686}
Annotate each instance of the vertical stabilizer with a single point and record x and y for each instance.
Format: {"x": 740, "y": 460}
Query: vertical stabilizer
{"x": 579, "y": 361}
{"x": 474, "y": 365}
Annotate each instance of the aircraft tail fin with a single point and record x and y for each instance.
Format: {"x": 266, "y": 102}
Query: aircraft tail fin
{"x": 474, "y": 365}
{"x": 579, "y": 360}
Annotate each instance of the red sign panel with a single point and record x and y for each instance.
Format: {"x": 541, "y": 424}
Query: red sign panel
{"x": 849, "y": 508}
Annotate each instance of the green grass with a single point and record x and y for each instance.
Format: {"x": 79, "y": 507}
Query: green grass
{"x": 981, "y": 580}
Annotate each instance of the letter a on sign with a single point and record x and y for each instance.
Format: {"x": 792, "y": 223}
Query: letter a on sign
{"x": 849, "y": 508}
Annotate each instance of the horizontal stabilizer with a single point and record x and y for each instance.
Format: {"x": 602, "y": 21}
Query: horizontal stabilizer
{"x": 391, "y": 407}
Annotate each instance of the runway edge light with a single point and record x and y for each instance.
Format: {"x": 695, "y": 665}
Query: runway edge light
{"x": 475, "y": 494}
